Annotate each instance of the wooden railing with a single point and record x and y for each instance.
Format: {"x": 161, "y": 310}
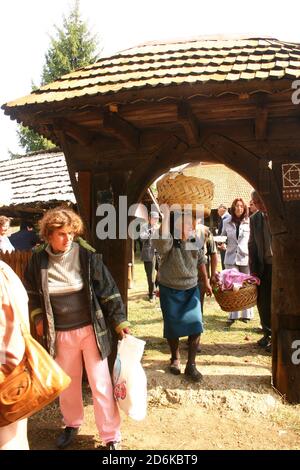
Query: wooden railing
{"x": 17, "y": 260}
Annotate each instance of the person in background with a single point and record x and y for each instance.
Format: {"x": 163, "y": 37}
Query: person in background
{"x": 5, "y": 244}
{"x": 181, "y": 262}
{"x": 237, "y": 230}
{"x": 260, "y": 257}
{"x": 148, "y": 254}
{"x": 210, "y": 250}
{"x": 252, "y": 207}
{"x": 73, "y": 302}
{"x": 26, "y": 238}
{"x": 12, "y": 347}
{"x": 223, "y": 215}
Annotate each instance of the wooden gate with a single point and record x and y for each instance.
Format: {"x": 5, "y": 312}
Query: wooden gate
{"x": 17, "y": 260}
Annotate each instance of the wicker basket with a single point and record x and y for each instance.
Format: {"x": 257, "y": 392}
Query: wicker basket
{"x": 177, "y": 188}
{"x": 231, "y": 301}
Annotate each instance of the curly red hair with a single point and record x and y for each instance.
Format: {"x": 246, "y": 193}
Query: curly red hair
{"x": 57, "y": 218}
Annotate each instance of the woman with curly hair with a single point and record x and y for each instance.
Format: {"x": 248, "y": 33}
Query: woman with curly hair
{"x": 74, "y": 302}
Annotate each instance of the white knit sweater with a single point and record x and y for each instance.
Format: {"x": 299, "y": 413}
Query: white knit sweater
{"x": 64, "y": 271}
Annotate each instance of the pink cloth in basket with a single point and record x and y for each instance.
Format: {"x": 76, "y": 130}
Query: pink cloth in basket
{"x": 232, "y": 278}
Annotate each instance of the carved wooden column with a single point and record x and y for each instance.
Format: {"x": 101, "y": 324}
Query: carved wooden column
{"x": 84, "y": 184}
{"x": 118, "y": 253}
{"x": 286, "y": 294}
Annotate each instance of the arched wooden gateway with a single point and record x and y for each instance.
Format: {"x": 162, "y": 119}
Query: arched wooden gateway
{"x": 126, "y": 119}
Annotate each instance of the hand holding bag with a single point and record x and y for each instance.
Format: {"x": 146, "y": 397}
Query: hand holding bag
{"x": 34, "y": 382}
{"x": 129, "y": 378}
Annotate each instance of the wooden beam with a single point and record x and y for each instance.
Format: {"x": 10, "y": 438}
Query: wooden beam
{"x": 160, "y": 161}
{"x": 75, "y": 185}
{"x": 261, "y": 122}
{"x": 121, "y": 129}
{"x": 78, "y": 133}
{"x": 189, "y": 122}
{"x": 255, "y": 170}
{"x": 235, "y": 156}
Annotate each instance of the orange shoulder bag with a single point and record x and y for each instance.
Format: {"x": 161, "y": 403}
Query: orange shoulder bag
{"x": 34, "y": 382}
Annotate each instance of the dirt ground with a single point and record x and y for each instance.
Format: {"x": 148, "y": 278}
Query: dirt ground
{"x": 232, "y": 410}
{"x": 235, "y": 407}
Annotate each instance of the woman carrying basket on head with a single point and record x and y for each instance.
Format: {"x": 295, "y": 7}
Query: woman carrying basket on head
{"x": 181, "y": 262}
{"x": 237, "y": 230}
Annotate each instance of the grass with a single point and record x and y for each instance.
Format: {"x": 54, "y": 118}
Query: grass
{"x": 287, "y": 416}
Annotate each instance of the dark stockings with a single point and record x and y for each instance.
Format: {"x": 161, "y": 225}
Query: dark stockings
{"x": 193, "y": 343}
{"x": 174, "y": 347}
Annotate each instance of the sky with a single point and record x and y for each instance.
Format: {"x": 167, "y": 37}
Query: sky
{"x": 26, "y": 27}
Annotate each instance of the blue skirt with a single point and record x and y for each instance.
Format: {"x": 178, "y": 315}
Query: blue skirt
{"x": 181, "y": 311}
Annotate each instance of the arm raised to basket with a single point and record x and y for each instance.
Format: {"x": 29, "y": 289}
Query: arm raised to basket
{"x": 161, "y": 238}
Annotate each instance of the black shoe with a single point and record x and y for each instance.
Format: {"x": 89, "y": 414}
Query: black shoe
{"x": 192, "y": 373}
{"x": 268, "y": 348}
{"x": 175, "y": 367}
{"x": 264, "y": 341}
{"x": 245, "y": 320}
{"x": 113, "y": 445}
{"x": 230, "y": 322}
{"x": 66, "y": 437}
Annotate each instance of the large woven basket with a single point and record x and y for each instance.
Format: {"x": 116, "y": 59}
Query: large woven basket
{"x": 177, "y": 188}
{"x": 231, "y": 301}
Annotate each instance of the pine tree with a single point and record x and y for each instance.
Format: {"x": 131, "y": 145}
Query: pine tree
{"x": 72, "y": 47}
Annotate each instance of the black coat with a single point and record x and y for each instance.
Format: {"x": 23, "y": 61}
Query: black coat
{"x": 256, "y": 244}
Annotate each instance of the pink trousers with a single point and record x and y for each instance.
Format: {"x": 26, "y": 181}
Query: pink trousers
{"x": 71, "y": 346}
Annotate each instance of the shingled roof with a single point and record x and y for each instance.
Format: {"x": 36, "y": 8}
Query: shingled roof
{"x": 36, "y": 179}
{"x": 165, "y": 64}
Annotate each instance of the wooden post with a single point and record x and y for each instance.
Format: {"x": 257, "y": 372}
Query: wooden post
{"x": 131, "y": 258}
{"x": 114, "y": 252}
{"x": 119, "y": 247}
{"x": 84, "y": 184}
{"x": 285, "y": 225}
{"x": 75, "y": 183}
{"x": 286, "y": 314}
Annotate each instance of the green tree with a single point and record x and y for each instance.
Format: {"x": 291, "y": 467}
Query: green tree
{"x": 72, "y": 47}
{"x": 31, "y": 141}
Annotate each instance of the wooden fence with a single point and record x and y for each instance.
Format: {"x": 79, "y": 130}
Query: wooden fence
{"x": 17, "y": 260}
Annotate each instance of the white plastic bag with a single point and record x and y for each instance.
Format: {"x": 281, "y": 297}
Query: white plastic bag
{"x": 129, "y": 378}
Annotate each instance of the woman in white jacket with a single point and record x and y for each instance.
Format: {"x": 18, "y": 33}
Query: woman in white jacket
{"x": 237, "y": 230}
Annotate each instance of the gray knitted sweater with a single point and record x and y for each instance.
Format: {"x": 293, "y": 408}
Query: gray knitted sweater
{"x": 178, "y": 266}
